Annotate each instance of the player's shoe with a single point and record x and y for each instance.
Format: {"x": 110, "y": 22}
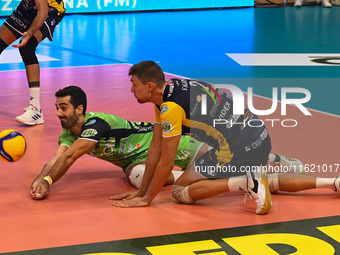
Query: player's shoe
{"x": 298, "y": 3}
{"x": 258, "y": 189}
{"x": 32, "y": 116}
{"x": 293, "y": 165}
{"x": 337, "y": 184}
{"x": 326, "y": 3}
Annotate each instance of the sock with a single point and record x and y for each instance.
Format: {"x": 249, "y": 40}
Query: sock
{"x": 35, "y": 97}
{"x": 274, "y": 184}
{"x": 325, "y": 183}
{"x": 271, "y": 159}
{"x": 3, "y": 45}
{"x": 177, "y": 174}
{"x": 237, "y": 183}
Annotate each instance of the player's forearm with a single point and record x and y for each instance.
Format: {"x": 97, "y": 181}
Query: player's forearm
{"x": 46, "y": 169}
{"x": 160, "y": 177}
{"x": 38, "y": 21}
{"x": 151, "y": 164}
{"x": 60, "y": 167}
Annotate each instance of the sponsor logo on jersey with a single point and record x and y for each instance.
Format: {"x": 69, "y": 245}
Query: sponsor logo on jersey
{"x": 211, "y": 171}
{"x": 185, "y": 85}
{"x": 194, "y": 109}
{"x": 18, "y": 21}
{"x": 164, "y": 109}
{"x": 213, "y": 111}
{"x": 167, "y": 127}
{"x": 225, "y": 110}
{"x": 207, "y": 89}
{"x": 171, "y": 90}
{"x": 197, "y": 104}
{"x": 144, "y": 128}
{"x": 89, "y": 132}
{"x": 90, "y": 122}
{"x": 247, "y": 116}
{"x": 122, "y": 148}
{"x": 130, "y": 148}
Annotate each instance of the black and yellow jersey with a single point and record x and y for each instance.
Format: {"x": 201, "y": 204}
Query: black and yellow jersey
{"x": 57, "y": 6}
{"x": 181, "y": 113}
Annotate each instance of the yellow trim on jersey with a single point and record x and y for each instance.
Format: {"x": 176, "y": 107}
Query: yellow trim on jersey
{"x": 172, "y": 116}
{"x": 224, "y": 155}
{"x": 58, "y": 6}
{"x": 157, "y": 114}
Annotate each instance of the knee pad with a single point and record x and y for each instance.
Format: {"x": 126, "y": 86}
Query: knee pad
{"x": 181, "y": 194}
{"x": 273, "y": 180}
{"x": 28, "y": 52}
{"x": 176, "y": 174}
{"x": 136, "y": 175}
{"x": 3, "y": 45}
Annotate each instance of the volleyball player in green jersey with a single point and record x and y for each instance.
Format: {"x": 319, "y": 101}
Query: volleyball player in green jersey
{"x": 125, "y": 143}
{"x": 105, "y": 136}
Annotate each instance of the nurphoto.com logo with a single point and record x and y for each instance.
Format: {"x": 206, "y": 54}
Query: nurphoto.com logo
{"x": 239, "y": 104}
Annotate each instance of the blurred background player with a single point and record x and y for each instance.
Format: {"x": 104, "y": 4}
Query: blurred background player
{"x": 33, "y": 20}
{"x": 324, "y": 3}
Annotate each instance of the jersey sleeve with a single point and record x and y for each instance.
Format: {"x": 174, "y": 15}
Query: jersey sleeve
{"x": 66, "y": 138}
{"x": 157, "y": 114}
{"x": 171, "y": 118}
{"x": 94, "y": 129}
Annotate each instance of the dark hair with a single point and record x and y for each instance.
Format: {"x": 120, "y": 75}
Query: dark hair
{"x": 78, "y": 96}
{"x": 148, "y": 71}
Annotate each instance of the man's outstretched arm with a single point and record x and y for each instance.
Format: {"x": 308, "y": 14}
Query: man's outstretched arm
{"x": 61, "y": 165}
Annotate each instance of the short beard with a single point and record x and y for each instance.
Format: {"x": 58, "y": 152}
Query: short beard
{"x": 71, "y": 122}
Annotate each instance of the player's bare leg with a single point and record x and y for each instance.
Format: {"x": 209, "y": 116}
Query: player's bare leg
{"x": 33, "y": 114}
{"x": 295, "y": 183}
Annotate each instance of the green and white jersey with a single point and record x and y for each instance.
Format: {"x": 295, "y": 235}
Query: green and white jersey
{"x": 123, "y": 142}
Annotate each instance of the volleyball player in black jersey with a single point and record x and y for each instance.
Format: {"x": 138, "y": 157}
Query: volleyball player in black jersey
{"x": 33, "y": 20}
{"x": 239, "y": 150}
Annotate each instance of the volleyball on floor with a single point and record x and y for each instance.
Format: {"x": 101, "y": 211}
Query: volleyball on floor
{"x": 12, "y": 145}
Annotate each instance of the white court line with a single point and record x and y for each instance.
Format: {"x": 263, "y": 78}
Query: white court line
{"x": 285, "y": 59}
{"x": 62, "y": 67}
{"x": 13, "y": 57}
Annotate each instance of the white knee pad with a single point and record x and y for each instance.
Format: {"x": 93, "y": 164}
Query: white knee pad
{"x": 181, "y": 194}
{"x": 273, "y": 180}
{"x": 176, "y": 174}
{"x": 136, "y": 175}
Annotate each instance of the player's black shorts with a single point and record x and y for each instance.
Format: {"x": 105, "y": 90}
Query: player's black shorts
{"x": 21, "y": 19}
{"x": 254, "y": 155}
